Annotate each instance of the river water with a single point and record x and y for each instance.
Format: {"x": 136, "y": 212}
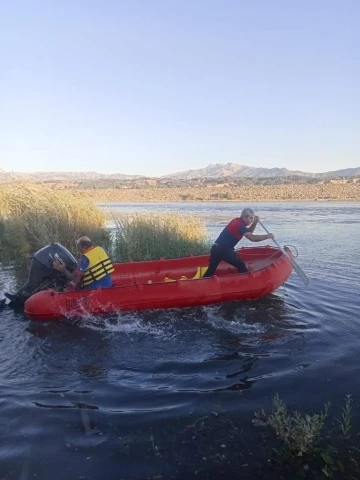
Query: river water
{"x": 171, "y": 394}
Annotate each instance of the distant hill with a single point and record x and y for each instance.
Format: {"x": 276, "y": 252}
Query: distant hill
{"x": 65, "y": 176}
{"x": 212, "y": 171}
{"x": 68, "y": 176}
{"x": 219, "y": 170}
{"x": 345, "y": 172}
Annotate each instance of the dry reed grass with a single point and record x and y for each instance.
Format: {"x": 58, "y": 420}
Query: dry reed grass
{"x": 155, "y": 236}
{"x": 32, "y": 216}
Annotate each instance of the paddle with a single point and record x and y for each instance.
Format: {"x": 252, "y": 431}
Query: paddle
{"x": 296, "y": 267}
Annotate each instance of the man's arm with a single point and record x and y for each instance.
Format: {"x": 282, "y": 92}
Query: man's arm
{"x": 253, "y": 225}
{"x": 74, "y": 277}
{"x": 61, "y": 267}
{"x": 258, "y": 238}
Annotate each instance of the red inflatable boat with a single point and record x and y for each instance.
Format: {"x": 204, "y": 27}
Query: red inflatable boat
{"x": 171, "y": 283}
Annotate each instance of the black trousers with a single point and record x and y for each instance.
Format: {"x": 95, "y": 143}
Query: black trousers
{"x": 227, "y": 254}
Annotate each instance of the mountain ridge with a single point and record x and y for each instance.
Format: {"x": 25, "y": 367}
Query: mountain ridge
{"x": 217, "y": 170}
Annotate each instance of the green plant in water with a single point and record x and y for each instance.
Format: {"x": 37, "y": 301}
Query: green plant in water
{"x": 155, "y": 236}
{"x": 299, "y": 432}
{"x": 346, "y": 419}
{"x": 304, "y": 453}
{"x": 12, "y": 240}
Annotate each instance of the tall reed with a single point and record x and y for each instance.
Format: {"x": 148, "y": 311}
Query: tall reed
{"x": 33, "y": 215}
{"x": 155, "y": 236}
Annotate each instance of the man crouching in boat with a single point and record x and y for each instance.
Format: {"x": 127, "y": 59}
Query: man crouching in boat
{"x": 223, "y": 247}
{"x": 94, "y": 267}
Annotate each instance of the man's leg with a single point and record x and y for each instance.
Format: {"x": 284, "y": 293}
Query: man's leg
{"x": 230, "y": 256}
{"x": 213, "y": 263}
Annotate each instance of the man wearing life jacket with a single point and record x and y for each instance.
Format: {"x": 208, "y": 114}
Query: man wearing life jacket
{"x": 94, "y": 267}
{"x": 223, "y": 247}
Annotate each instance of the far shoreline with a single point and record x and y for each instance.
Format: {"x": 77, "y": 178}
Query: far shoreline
{"x": 226, "y": 194}
{"x": 322, "y": 200}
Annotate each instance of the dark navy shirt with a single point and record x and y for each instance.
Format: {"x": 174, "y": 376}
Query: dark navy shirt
{"x": 232, "y": 233}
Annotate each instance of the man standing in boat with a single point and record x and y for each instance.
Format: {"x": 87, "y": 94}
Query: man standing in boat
{"x": 94, "y": 267}
{"x": 223, "y": 247}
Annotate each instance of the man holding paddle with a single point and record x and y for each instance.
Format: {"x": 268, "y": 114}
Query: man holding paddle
{"x": 223, "y": 247}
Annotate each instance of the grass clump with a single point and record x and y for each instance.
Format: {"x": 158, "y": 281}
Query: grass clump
{"x": 155, "y": 236}
{"x": 32, "y": 216}
{"x": 298, "y": 432}
{"x": 12, "y": 240}
{"x": 305, "y": 448}
{"x": 346, "y": 419}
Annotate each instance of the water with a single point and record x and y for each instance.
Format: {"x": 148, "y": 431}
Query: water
{"x": 172, "y": 394}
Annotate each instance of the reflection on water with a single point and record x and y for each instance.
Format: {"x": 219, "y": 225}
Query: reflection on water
{"x": 167, "y": 394}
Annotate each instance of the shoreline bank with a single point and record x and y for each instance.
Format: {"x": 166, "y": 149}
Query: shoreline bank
{"x": 271, "y": 193}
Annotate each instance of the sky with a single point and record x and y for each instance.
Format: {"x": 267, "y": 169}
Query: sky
{"x": 152, "y": 87}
